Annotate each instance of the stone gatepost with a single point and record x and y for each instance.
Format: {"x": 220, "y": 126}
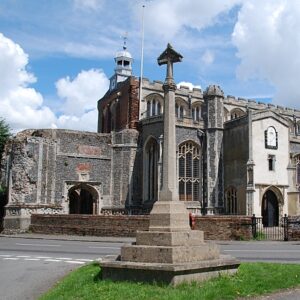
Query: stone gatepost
{"x": 170, "y": 251}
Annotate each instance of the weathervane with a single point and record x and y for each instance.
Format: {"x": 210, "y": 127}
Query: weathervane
{"x": 125, "y": 37}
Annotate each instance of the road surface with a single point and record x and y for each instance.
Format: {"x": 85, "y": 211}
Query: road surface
{"x": 30, "y": 266}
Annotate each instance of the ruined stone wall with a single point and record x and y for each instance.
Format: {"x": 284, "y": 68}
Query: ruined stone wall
{"x": 43, "y": 165}
{"x": 124, "y": 149}
{"x": 83, "y": 158}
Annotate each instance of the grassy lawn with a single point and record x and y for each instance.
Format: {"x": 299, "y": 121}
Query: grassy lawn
{"x": 251, "y": 279}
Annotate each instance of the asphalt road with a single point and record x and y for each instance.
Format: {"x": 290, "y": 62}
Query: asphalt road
{"x": 31, "y": 266}
{"x": 265, "y": 251}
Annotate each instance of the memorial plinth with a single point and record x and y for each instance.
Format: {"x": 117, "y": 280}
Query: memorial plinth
{"x": 170, "y": 251}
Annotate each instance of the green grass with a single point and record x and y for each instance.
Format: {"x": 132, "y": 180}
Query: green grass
{"x": 251, "y": 279}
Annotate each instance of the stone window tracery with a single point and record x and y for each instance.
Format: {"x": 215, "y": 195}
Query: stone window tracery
{"x": 236, "y": 113}
{"x": 153, "y": 108}
{"x": 231, "y": 201}
{"x": 179, "y": 111}
{"x": 298, "y": 128}
{"x": 189, "y": 172}
{"x": 196, "y": 113}
{"x": 297, "y": 160}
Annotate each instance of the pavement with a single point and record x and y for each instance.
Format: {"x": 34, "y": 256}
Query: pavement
{"x": 289, "y": 294}
{"x": 109, "y": 239}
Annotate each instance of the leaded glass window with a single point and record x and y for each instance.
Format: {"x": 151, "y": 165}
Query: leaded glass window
{"x": 189, "y": 172}
{"x": 231, "y": 201}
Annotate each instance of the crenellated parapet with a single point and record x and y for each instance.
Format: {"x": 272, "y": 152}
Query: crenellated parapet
{"x": 230, "y": 100}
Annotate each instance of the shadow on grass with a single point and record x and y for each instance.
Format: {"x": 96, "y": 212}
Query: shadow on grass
{"x": 98, "y": 278}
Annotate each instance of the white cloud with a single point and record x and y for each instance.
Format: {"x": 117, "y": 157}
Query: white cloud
{"x": 81, "y": 93}
{"x": 80, "y": 97}
{"x": 88, "y": 4}
{"x": 269, "y": 46}
{"x": 13, "y": 61}
{"x": 22, "y": 106}
{"x": 87, "y": 121}
{"x": 167, "y": 18}
{"x": 208, "y": 57}
{"x": 188, "y": 84}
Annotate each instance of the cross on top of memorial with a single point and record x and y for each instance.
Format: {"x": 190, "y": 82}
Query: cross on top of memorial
{"x": 168, "y": 57}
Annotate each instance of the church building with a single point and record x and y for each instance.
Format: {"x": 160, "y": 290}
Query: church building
{"x": 234, "y": 156}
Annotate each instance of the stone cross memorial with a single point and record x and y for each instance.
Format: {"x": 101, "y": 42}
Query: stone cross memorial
{"x": 170, "y": 251}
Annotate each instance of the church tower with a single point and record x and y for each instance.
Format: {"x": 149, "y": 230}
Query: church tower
{"x": 123, "y": 68}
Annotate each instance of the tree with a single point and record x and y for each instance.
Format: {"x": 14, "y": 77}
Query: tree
{"x": 4, "y": 135}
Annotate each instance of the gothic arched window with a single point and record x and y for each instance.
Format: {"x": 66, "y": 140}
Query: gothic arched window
{"x": 297, "y": 160}
{"x": 153, "y": 108}
{"x": 236, "y": 113}
{"x": 196, "y": 112}
{"x": 189, "y": 172}
{"x": 231, "y": 201}
{"x": 179, "y": 111}
{"x": 298, "y": 128}
{"x": 150, "y": 170}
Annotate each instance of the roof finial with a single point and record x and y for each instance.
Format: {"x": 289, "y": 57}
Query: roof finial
{"x": 125, "y": 37}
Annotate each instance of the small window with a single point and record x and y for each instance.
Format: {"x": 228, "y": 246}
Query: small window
{"x": 271, "y": 162}
{"x": 179, "y": 111}
{"x": 236, "y": 113}
{"x": 126, "y": 63}
{"x": 298, "y": 128}
{"x": 231, "y": 201}
{"x": 298, "y": 170}
{"x": 119, "y": 63}
{"x": 196, "y": 112}
{"x": 158, "y": 108}
{"x": 148, "y": 109}
{"x": 153, "y": 108}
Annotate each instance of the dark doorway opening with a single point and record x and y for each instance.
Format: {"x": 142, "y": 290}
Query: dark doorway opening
{"x": 81, "y": 201}
{"x": 270, "y": 209}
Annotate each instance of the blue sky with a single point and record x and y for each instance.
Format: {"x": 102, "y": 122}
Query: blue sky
{"x": 56, "y": 56}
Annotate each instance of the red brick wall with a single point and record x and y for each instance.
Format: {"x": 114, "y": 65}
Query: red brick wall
{"x": 215, "y": 228}
{"x": 127, "y": 112}
{"x": 224, "y": 227}
{"x": 89, "y": 225}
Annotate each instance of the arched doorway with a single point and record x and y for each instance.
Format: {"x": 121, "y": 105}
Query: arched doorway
{"x": 82, "y": 200}
{"x": 270, "y": 209}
